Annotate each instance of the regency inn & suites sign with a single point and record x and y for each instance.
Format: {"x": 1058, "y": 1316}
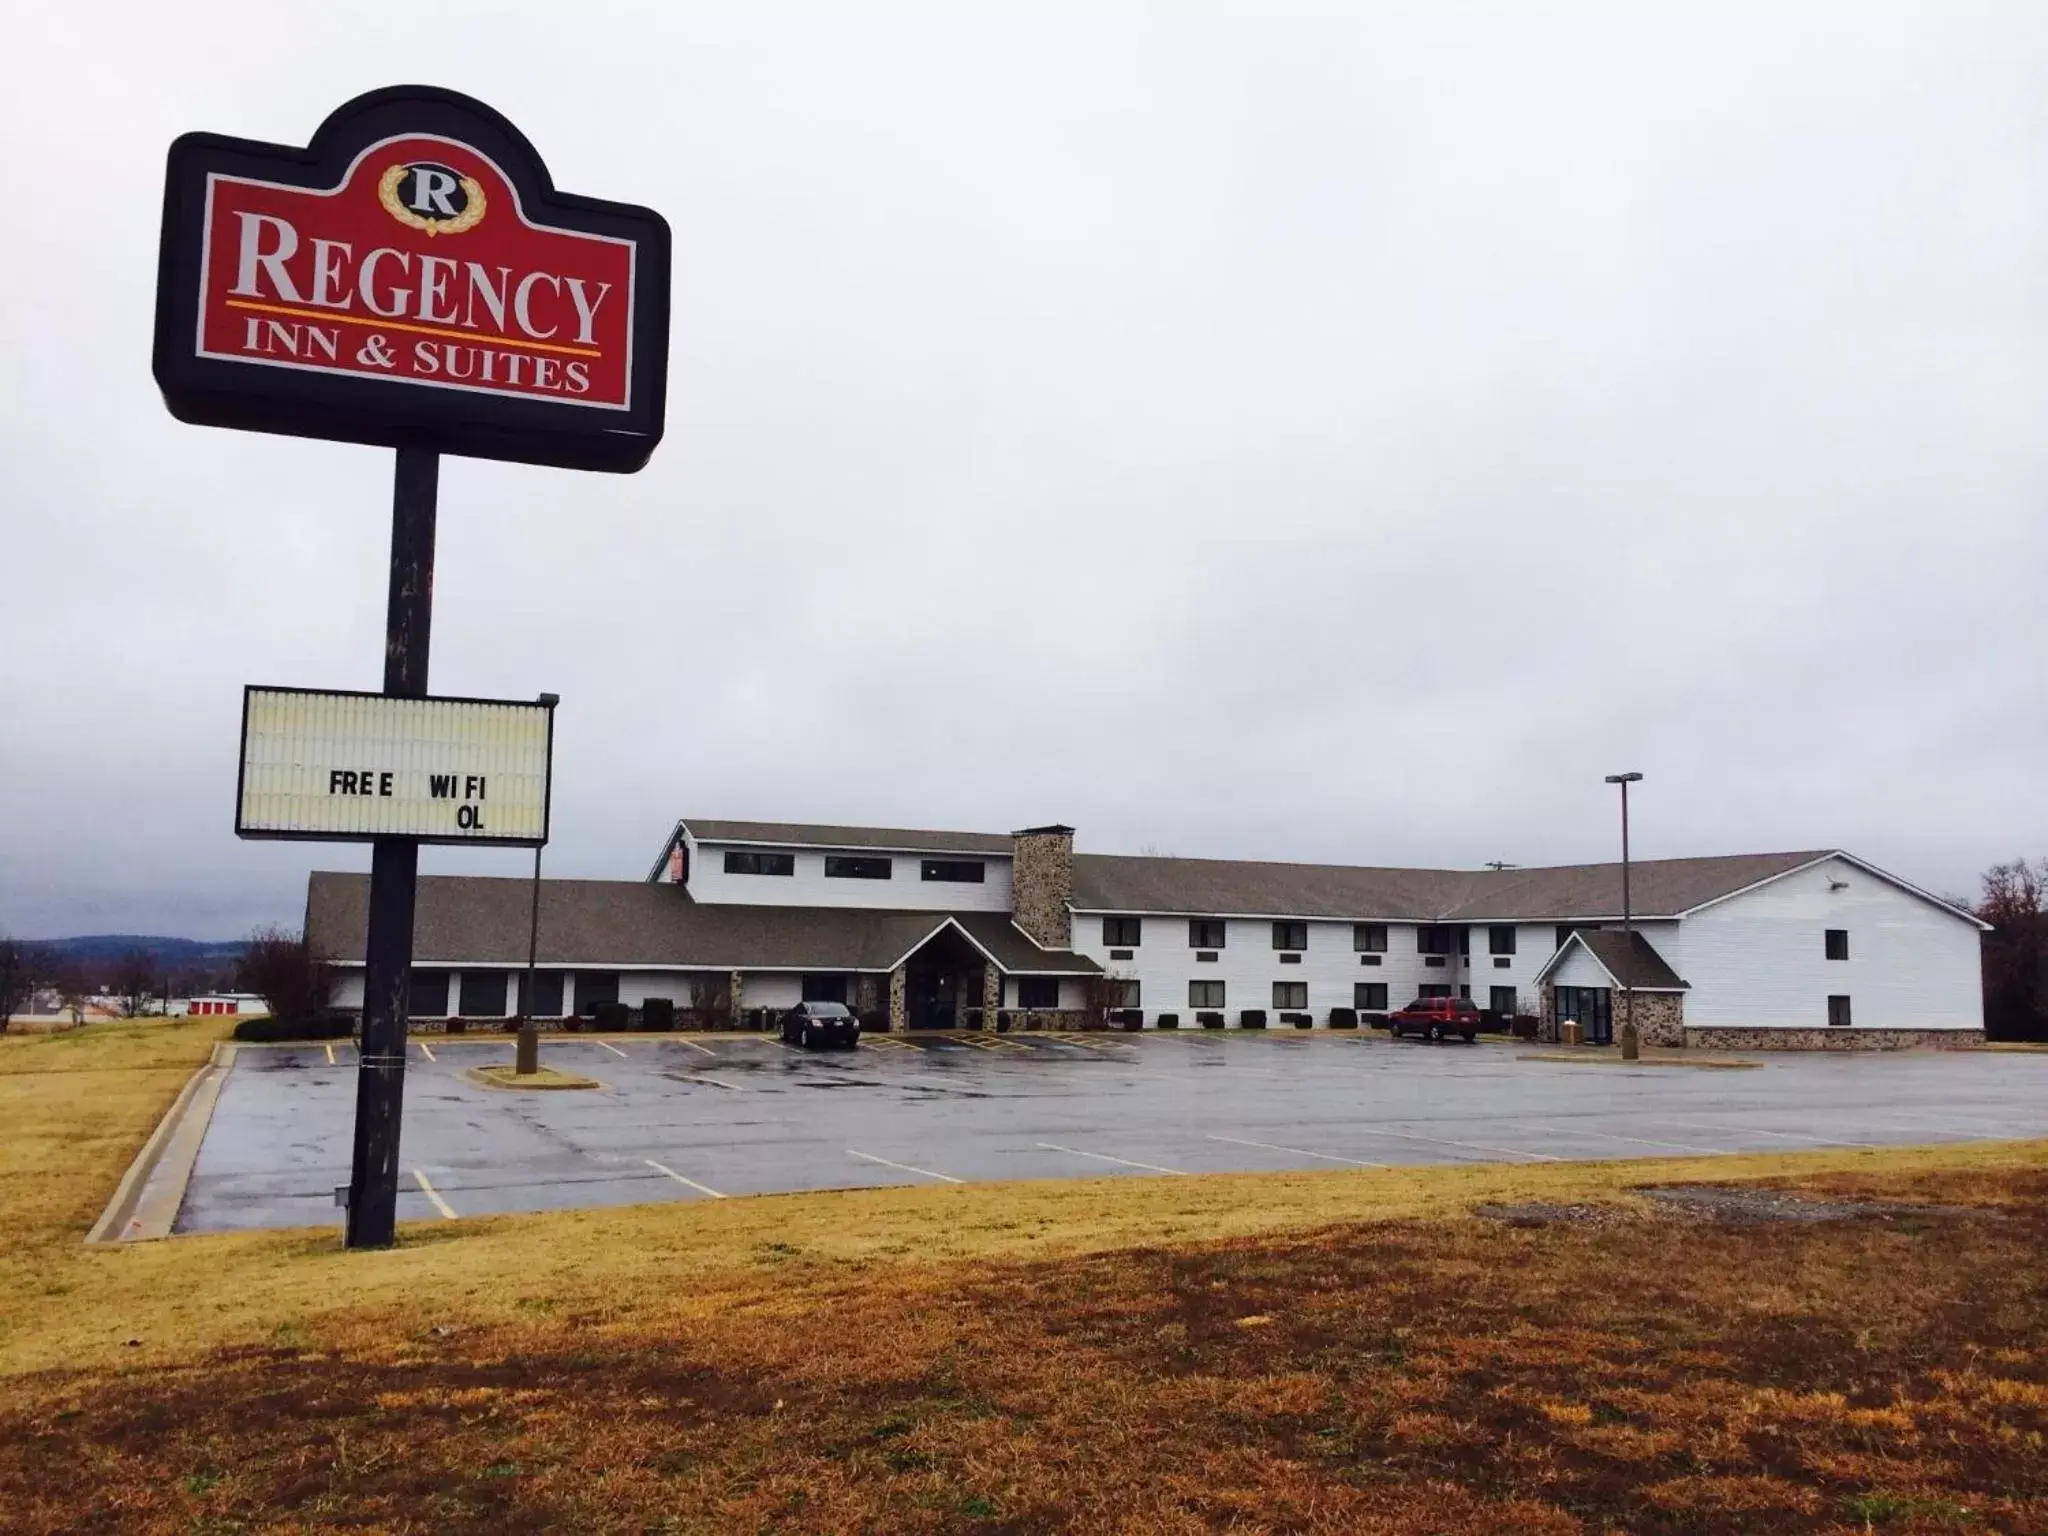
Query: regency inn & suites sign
{"x": 411, "y": 279}
{"x": 411, "y": 273}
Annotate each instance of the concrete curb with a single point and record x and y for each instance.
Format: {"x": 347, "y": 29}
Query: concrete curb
{"x": 1706, "y": 1064}
{"x": 565, "y": 1081}
{"x": 174, "y": 1145}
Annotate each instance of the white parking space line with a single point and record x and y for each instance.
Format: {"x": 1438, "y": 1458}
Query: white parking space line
{"x": 434, "y": 1195}
{"x": 1298, "y": 1151}
{"x": 330, "y": 1054}
{"x": 903, "y": 1167}
{"x": 716, "y": 1082}
{"x": 423, "y": 1049}
{"x": 702, "y": 1189}
{"x": 1104, "y": 1157}
{"x": 610, "y": 1047}
{"x": 693, "y": 1045}
{"x": 1469, "y": 1146}
{"x": 1977, "y": 1133}
{"x": 1751, "y": 1130}
{"x": 1639, "y": 1141}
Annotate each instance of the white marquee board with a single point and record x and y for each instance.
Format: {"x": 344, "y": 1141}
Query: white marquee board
{"x": 346, "y": 767}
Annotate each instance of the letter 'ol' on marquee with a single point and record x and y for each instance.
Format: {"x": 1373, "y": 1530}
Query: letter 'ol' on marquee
{"x": 411, "y": 278}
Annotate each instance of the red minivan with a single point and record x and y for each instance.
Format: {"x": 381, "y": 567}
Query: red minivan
{"x": 1436, "y": 1017}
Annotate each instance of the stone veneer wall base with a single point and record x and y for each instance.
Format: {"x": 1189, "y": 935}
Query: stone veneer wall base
{"x": 1851, "y": 1038}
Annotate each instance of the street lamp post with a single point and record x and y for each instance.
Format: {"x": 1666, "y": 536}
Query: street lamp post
{"x": 1631, "y": 1043}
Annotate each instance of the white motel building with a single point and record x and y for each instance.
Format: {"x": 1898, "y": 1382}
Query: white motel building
{"x": 944, "y": 930}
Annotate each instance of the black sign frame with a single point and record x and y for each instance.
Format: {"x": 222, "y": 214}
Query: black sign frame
{"x": 394, "y": 413}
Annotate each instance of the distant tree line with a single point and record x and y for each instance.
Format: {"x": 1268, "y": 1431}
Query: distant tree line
{"x": 2015, "y": 950}
{"x": 274, "y": 965}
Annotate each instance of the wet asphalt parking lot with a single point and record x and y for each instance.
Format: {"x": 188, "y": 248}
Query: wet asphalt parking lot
{"x": 730, "y": 1115}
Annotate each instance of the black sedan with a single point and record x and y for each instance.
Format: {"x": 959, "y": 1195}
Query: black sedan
{"x": 811, "y": 1025}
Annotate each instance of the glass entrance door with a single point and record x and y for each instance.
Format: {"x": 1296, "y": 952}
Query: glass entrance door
{"x": 1593, "y": 1007}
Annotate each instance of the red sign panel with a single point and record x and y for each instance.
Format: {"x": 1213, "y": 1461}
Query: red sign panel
{"x": 420, "y": 266}
{"x": 411, "y": 277}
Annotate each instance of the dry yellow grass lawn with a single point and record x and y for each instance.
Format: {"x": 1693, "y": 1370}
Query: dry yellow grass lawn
{"x": 1342, "y": 1351}
{"x": 76, "y": 1106}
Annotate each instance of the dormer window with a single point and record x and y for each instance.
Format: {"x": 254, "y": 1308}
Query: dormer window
{"x": 747, "y": 862}
{"x": 958, "y": 871}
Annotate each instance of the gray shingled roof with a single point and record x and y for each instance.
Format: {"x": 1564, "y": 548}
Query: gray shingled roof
{"x": 811, "y": 835}
{"x": 1658, "y": 888}
{"x": 1016, "y": 954}
{"x": 1124, "y": 883}
{"x": 481, "y": 920}
{"x": 1628, "y": 957}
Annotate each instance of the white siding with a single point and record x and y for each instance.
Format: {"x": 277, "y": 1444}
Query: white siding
{"x": 773, "y": 989}
{"x": 760, "y": 989}
{"x": 1163, "y": 963}
{"x": 1073, "y": 993}
{"x": 1534, "y": 945}
{"x": 1758, "y": 960}
{"x": 809, "y": 887}
{"x": 1580, "y": 969}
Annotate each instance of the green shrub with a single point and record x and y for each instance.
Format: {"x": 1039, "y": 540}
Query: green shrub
{"x": 328, "y": 1026}
{"x": 1252, "y": 1018}
{"x": 1343, "y": 1018}
{"x": 1169, "y": 1021}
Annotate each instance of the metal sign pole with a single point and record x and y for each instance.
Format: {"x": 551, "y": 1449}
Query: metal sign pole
{"x": 394, "y": 862}
{"x": 526, "y": 1058}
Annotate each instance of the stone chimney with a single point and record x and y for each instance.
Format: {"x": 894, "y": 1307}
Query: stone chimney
{"x": 1042, "y": 883}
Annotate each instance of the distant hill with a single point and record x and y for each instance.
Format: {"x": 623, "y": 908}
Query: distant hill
{"x": 95, "y": 949}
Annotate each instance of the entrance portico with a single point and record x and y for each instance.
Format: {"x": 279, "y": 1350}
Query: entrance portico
{"x": 941, "y": 981}
{"x": 1584, "y": 981}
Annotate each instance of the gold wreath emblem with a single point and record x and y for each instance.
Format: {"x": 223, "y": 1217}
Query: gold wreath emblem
{"x": 472, "y": 212}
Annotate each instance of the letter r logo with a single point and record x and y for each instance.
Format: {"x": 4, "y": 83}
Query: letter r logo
{"x": 431, "y": 187}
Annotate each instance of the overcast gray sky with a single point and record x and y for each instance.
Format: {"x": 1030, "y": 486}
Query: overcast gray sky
{"x": 1317, "y": 432}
